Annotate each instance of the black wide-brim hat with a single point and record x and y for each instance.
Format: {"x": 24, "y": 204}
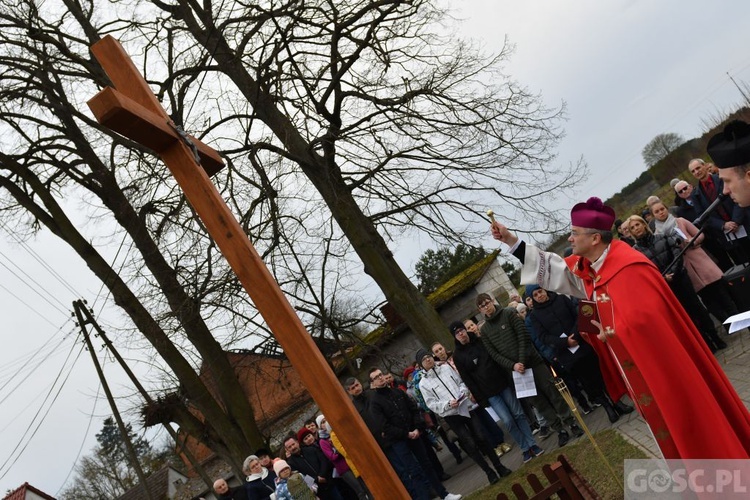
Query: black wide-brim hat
{"x": 731, "y": 147}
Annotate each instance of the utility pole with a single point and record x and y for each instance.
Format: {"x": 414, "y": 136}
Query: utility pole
{"x": 142, "y": 390}
{"x": 80, "y": 311}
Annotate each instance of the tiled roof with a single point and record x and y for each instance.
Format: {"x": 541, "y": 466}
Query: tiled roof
{"x": 20, "y": 493}
{"x": 158, "y": 485}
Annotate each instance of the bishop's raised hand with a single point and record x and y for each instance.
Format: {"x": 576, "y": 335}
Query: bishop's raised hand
{"x": 501, "y": 233}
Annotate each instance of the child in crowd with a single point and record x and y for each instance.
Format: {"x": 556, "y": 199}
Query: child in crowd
{"x": 291, "y": 485}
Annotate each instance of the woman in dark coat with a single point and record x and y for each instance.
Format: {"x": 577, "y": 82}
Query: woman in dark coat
{"x": 260, "y": 483}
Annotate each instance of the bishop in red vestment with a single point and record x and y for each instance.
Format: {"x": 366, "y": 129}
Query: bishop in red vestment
{"x": 677, "y": 384}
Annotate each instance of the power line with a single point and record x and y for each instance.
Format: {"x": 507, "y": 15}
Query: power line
{"x": 18, "y": 363}
{"x": 114, "y": 259}
{"x": 41, "y": 362}
{"x": 36, "y": 257}
{"x": 83, "y": 441}
{"x": 36, "y": 418}
{"x": 30, "y": 306}
{"x": 36, "y": 283}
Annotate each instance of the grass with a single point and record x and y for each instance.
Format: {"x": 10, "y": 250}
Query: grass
{"x": 584, "y": 459}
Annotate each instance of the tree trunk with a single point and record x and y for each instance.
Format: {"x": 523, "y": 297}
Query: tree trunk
{"x": 239, "y": 438}
{"x": 378, "y": 260}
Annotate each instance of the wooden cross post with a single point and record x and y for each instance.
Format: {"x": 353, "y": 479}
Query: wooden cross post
{"x": 133, "y": 111}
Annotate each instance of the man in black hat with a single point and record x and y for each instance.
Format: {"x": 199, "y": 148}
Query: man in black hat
{"x": 730, "y": 150}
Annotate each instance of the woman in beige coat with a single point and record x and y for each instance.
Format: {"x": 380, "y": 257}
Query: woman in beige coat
{"x": 704, "y": 274}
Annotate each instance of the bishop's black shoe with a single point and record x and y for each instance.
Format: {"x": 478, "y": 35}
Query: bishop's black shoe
{"x": 622, "y": 408}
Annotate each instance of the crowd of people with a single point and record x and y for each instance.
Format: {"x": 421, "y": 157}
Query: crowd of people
{"x": 445, "y": 396}
{"x": 452, "y": 397}
{"x": 647, "y": 320}
{"x": 693, "y": 262}
{"x": 442, "y": 400}
{"x": 311, "y": 464}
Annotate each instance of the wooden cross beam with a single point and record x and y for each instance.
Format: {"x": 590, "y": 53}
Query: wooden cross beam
{"x": 134, "y": 112}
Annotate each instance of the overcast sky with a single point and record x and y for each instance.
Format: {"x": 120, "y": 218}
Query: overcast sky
{"x": 628, "y": 70}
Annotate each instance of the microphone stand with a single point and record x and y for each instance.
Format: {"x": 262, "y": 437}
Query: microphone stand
{"x": 699, "y": 224}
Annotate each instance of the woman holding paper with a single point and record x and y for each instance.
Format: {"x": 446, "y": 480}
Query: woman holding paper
{"x": 705, "y": 275}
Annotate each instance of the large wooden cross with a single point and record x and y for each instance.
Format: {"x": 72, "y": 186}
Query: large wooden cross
{"x": 133, "y": 111}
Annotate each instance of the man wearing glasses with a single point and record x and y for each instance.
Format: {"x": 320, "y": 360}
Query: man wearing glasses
{"x": 688, "y": 210}
{"x": 684, "y": 201}
{"x": 505, "y": 337}
{"x": 395, "y": 422}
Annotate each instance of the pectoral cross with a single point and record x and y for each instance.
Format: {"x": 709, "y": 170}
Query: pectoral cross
{"x": 133, "y": 111}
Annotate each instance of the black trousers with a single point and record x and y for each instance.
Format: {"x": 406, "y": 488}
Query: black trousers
{"x": 718, "y": 300}
{"x": 469, "y": 432}
{"x": 586, "y": 369}
{"x": 683, "y": 290}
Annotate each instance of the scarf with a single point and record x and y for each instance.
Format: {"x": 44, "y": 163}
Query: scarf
{"x": 667, "y": 227}
{"x": 261, "y": 475}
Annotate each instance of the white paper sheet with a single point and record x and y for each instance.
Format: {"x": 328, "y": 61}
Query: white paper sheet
{"x": 524, "y": 383}
{"x": 738, "y": 322}
{"x": 740, "y": 233}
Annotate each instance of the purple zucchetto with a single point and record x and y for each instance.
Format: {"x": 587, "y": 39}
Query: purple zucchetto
{"x": 593, "y": 214}
{"x": 731, "y": 147}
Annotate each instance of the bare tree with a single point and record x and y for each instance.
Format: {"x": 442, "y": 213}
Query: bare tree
{"x": 660, "y": 146}
{"x": 50, "y": 156}
{"x": 397, "y": 126}
{"x": 344, "y": 125}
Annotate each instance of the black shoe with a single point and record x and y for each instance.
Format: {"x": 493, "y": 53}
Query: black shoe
{"x": 577, "y": 431}
{"x": 503, "y": 470}
{"x": 622, "y": 408}
{"x": 544, "y": 432}
{"x": 562, "y": 438}
{"x": 445, "y": 476}
{"x": 492, "y": 477}
{"x": 459, "y": 459}
{"x": 720, "y": 343}
{"x": 612, "y": 413}
{"x": 585, "y": 408}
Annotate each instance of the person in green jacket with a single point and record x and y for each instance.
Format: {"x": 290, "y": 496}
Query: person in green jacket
{"x": 505, "y": 337}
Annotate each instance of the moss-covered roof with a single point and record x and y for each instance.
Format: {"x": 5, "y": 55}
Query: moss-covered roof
{"x": 445, "y": 292}
{"x": 462, "y": 281}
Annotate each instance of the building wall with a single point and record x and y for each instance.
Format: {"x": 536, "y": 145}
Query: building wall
{"x": 30, "y": 495}
{"x": 495, "y": 282}
{"x": 399, "y": 352}
{"x": 174, "y": 479}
